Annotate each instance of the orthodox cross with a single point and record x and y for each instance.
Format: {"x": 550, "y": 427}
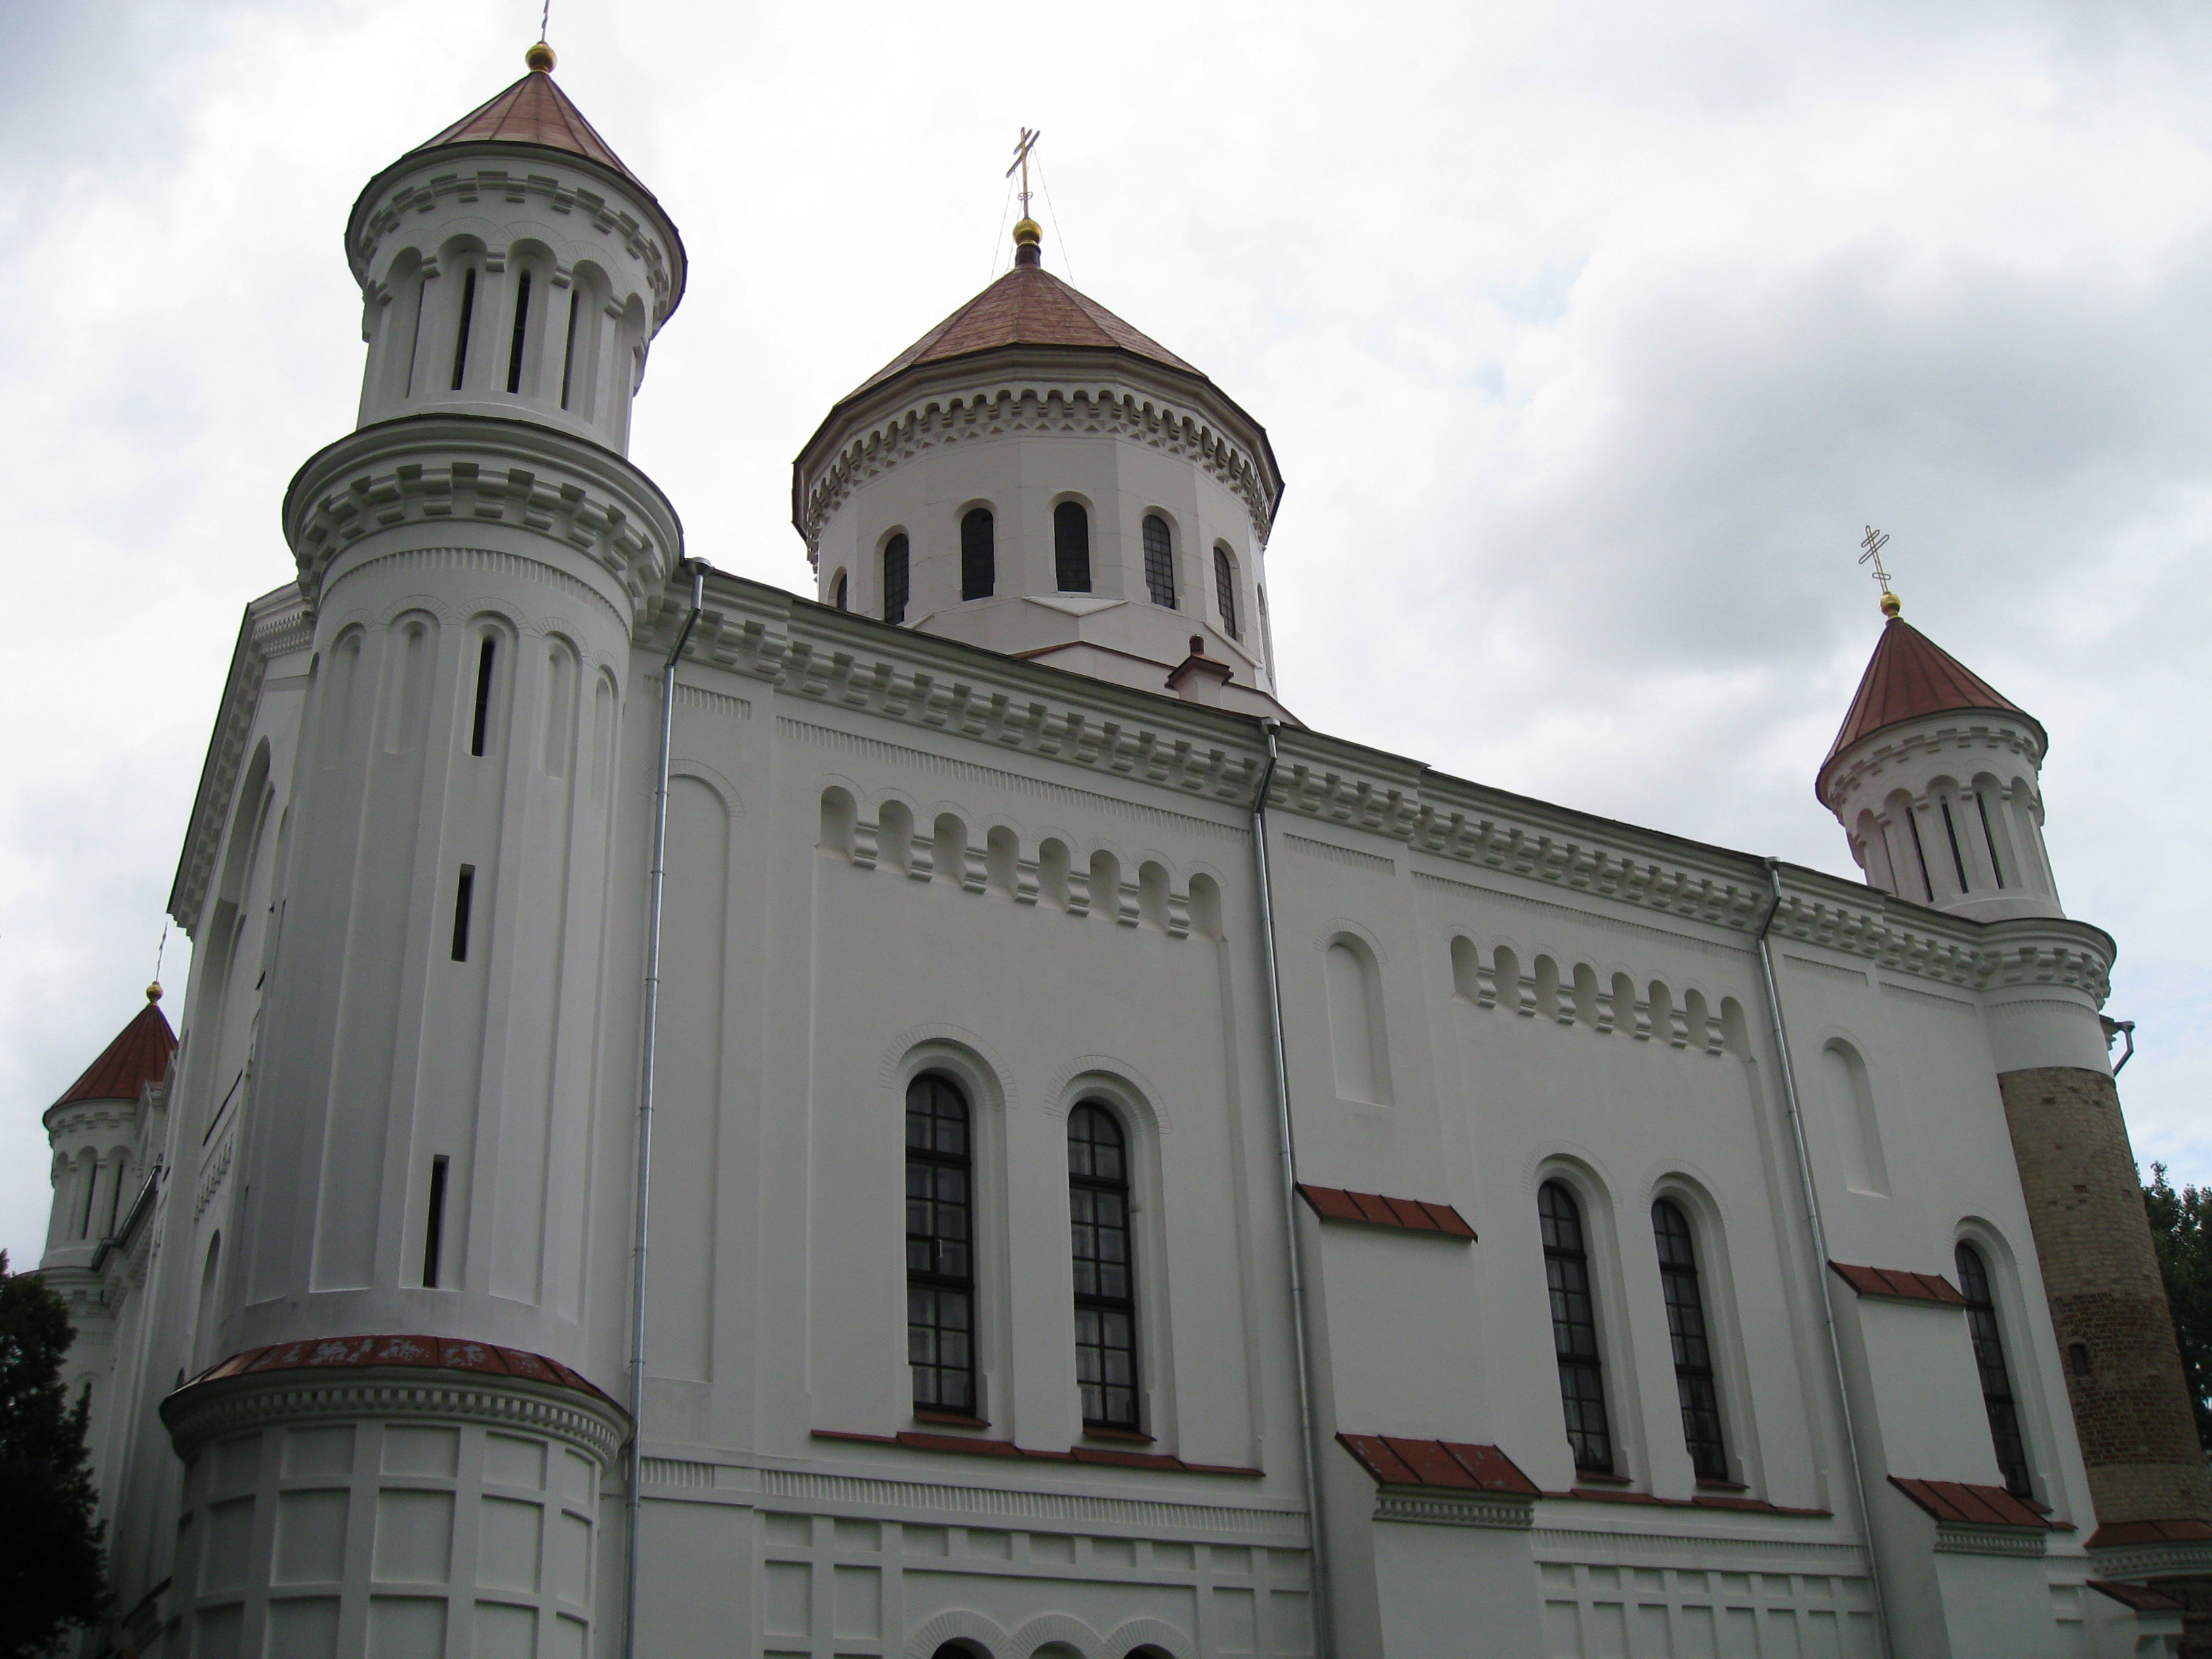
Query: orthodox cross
{"x": 1022, "y": 163}
{"x": 1875, "y": 541}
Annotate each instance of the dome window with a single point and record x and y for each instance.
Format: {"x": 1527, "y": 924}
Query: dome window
{"x": 1159, "y": 561}
{"x": 895, "y": 579}
{"x": 1224, "y": 587}
{"x": 979, "y": 555}
{"x": 1071, "y": 548}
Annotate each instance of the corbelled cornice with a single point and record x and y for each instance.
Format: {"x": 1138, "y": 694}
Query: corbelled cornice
{"x": 1034, "y": 390}
{"x": 465, "y": 469}
{"x": 1001, "y": 703}
{"x": 1975, "y": 732}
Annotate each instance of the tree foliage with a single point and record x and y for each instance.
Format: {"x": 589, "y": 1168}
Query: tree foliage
{"x": 2181, "y": 1230}
{"x": 52, "y": 1573}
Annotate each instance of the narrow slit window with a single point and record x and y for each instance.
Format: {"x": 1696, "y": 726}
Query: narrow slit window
{"x": 1997, "y": 1379}
{"x": 1071, "y": 548}
{"x": 1912, "y": 823}
{"x": 1996, "y": 864}
{"x": 979, "y": 555}
{"x": 1159, "y": 561}
{"x": 1958, "y": 860}
{"x": 1224, "y": 588}
{"x": 433, "y": 1225}
{"x": 568, "y": 348}
{"x": 837, "y": 592}
{"x": 1105, "y": 1271}
{"x": 940, "y": 1246}
{"x": 521, "y": 332}
{"x": 465, "y": 891}
{"x": 1574, "y": 1330}
{"x": 480, "y": 726}
{"x": 468, "y": 318}
{"x": 895, "y": 579}
{"x": 1693, "y": 1356}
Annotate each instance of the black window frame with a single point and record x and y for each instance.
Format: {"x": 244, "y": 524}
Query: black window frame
{"x": 1159, "y": 561}
{"x": 1224, "y": 588}
{"x": 897, "y": 565}
{"x": 940, "y": 1249}
{"x": 1689, "y": 1331}
{"x": 1575, "y": 1343}
{"x": 2006, "y": 1439}
{"x": 1099, "y": 1227}
{"x": 1071, "y": 547}
{"x": 979, "y": 554}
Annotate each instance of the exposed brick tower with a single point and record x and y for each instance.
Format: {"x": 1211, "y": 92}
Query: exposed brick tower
{"x": 1936, "y": 778}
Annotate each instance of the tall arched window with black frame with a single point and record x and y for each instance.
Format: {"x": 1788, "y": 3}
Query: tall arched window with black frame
{"x": 1105, "y": 1268}
{"x": 1224, "y": 587}
{"x": 895, "y": 579}
{"x": 1071, "y": 548}
{"x": 940, "y": 1245}
{"x": 1693, "y": 1341}
{"x": 979, "y": 555}
{"x": 1574, "y": 1329}
{"x": 1159, "y": 561}
{"x": 1997, "y": 1379}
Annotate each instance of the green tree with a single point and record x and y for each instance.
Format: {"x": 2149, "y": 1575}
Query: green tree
{"x": 2181, "y": 1230}
{"x": 52, "y": 1574}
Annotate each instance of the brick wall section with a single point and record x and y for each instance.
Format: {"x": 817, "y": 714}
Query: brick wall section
{"x": 2132, "y": 1412}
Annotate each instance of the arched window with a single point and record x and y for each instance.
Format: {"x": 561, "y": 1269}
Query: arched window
{"x": 521, "y": 339}
{"x": 1224, "y": 587}
{"x": 1574, "y": 1329}
{"x": 1071, "y": 548}
{"x": 940, "y": 1245}
{"x": 1105, "y": 1291}
{"x": 979, "y": 555}
{"x": 1996, "y": 1381}
{"x": 1159, "y": 561}
{"x": 838, "y": 596}
{"x": 895, "y": 555}
{"x": 1693, "y": 1354}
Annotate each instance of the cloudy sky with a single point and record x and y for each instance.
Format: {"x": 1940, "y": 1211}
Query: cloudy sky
{"x": 1589, "y": 336}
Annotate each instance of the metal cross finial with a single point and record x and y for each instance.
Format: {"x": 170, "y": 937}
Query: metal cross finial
{"x": 1022, "y": 163}
{"x": 544, "y": 19}
{"x": 1873, "y": 541}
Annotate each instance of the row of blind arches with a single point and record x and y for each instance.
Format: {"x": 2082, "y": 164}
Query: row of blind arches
{"x": 942, "y": 1338}
{"x": 1071, "y": 562}
{"x": 1581, "y": 1366}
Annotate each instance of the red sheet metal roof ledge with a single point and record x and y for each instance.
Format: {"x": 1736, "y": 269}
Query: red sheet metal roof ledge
{"x": 533, "y": 111}
{"x": 976, "y": 1446}
{"x": 1394, "y": 1460}
{"x": 2142, "y": 1597}
{"x": 415, "y": 1352}
{"x": 1411, "y": 1215}
{"x": 139, "y": 1055}
{"x": 1900, "y": 1286}
{"x": 2119, "y": 1534}
{"x": 1973, "y": 1505}
{"x": 1908, "y": 677}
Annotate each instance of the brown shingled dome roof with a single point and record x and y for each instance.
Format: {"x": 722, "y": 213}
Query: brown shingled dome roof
{"x": 533, "y": 111}
{"x": 1028, "y": 306}
{"x": 139, "y": 1055}
{"x": 1909, "y": 676}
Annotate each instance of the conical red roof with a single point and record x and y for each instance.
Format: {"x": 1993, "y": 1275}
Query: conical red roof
{"x": 1910, "y": 676}
{"x": 533, "y": 111}
{"x": 139, "y": 1055}
{"x": 1028, "y": 306}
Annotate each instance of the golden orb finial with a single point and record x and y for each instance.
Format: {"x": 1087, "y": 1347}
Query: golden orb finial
{"x": 1027, "y": 232}
{"x": 153, "y": 992}
{"x": 540, "y": 58}
{"x": 1891, "y": 605}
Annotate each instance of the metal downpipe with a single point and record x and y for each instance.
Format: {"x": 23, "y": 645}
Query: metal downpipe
{"x": 633, "y": 1453}
{"x": 1820, "y": 1236}
{"x": 1323, "y": 1642}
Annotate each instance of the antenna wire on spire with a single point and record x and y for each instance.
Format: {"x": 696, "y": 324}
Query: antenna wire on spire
{"x": 1058, "y": 236}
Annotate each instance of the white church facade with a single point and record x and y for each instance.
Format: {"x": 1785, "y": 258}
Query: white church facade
{"x": 1129, "y": 1177}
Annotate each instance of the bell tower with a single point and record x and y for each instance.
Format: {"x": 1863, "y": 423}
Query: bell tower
{"x": 407, "y": 1292}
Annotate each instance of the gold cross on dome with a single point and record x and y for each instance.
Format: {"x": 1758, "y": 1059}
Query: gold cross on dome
{"x": 1022, "y": 163}
{"x": 1873, "y": 541}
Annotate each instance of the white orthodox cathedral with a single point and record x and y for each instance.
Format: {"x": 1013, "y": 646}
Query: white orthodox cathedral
{"x": 937, "y": 1120}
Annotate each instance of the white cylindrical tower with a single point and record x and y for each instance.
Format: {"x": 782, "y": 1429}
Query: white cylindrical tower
{"x": 1935, "y": 778}
{"x": 407, "y": 1291}
{"x": 1035, "y": 476}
